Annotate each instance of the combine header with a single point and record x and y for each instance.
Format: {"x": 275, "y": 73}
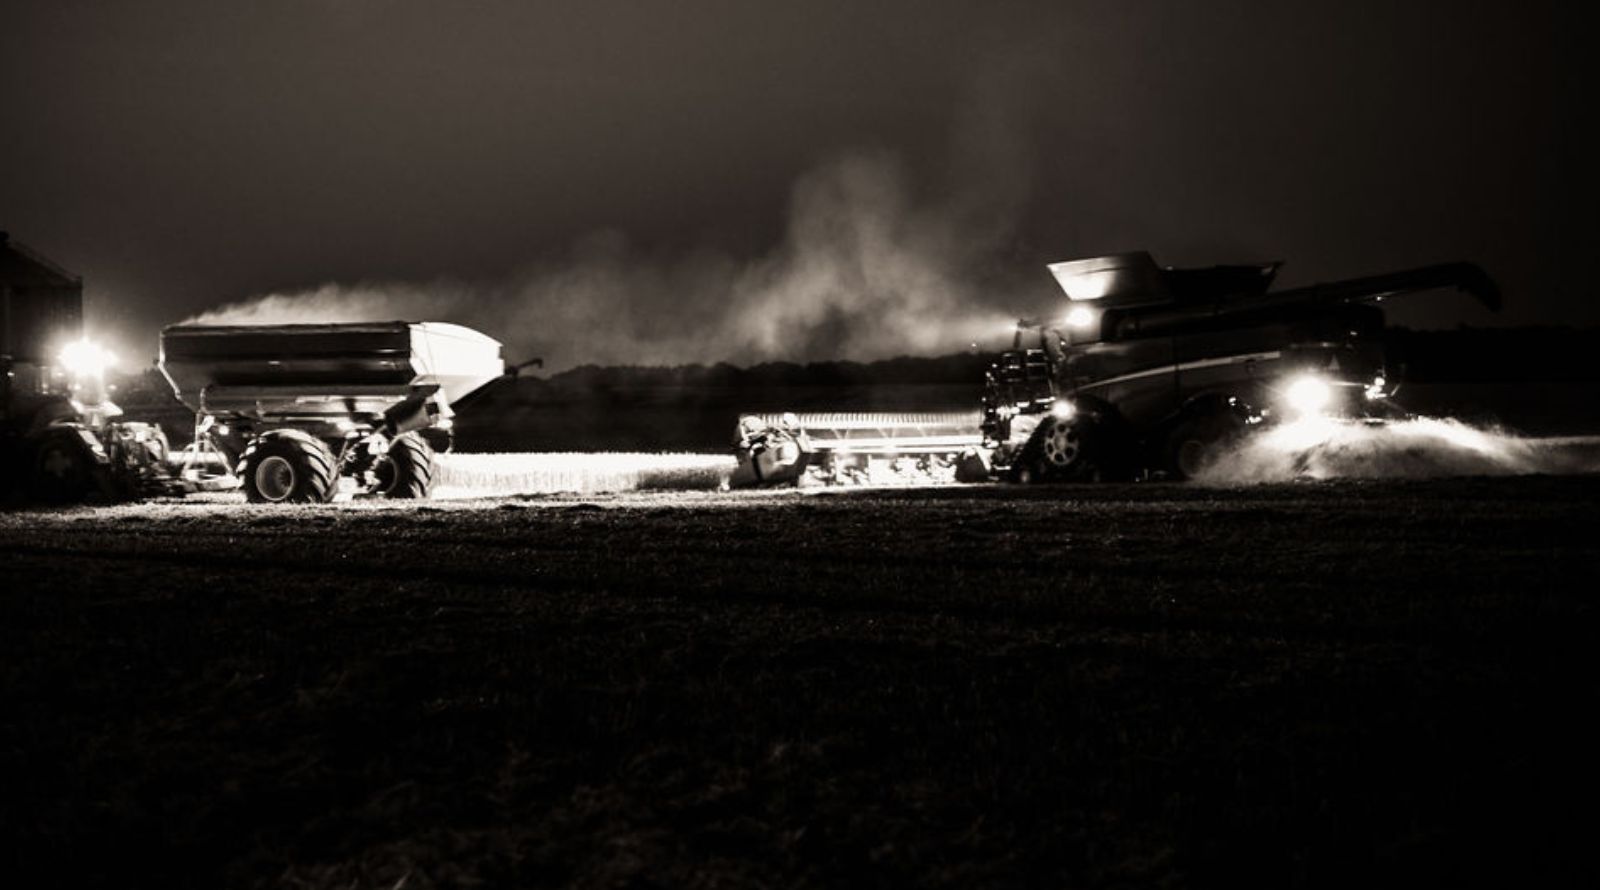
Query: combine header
{"x": 1148, "y": 371}
{"x": 293, "y": 408}
{"x": 863, "y": 447}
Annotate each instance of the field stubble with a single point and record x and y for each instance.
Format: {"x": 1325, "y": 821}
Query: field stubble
{"x": 1313, "y": 684}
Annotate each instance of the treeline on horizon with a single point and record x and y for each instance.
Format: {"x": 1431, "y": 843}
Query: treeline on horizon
{"x": 1462, "y": 355}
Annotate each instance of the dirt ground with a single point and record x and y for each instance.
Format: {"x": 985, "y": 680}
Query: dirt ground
{"x": 1314, "y": 684}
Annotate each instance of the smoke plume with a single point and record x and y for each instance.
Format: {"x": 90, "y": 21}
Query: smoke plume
{"x": 1412, "y": 449}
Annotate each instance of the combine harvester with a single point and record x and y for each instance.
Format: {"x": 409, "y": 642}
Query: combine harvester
{"x": 1149, "y": 371}
{"x": 292, "y": 409}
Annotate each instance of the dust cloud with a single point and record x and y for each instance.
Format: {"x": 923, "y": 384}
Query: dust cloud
{"x": 1417, "y": 448}
{"x": 864, "y": 271}
{"x": 875, "y": 260}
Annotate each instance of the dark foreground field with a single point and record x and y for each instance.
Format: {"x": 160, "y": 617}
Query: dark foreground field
{"x": 1315, "y": 684}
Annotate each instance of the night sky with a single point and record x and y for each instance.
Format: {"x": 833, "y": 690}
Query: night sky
{"x": 184, "y": 155}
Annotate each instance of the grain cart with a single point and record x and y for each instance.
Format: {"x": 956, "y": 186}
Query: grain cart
{"x": 292, "y": 409}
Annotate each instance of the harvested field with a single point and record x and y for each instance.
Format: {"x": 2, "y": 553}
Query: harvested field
{"x": 1313, "y": 684}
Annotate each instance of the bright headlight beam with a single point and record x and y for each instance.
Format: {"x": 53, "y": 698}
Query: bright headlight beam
{"x": 1309, "y": 395}
{"x": 86, "y": 358}
{"x": 1080, "y": 317}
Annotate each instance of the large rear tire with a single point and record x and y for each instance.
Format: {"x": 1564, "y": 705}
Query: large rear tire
{"x": 406, "y": 471}
{"x": 288, "y": 467}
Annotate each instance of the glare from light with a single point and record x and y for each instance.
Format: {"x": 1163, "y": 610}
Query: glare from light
{"x": 1309, "y": 395}
{"x": 1063, "y": 409}
{"x": 1299, "y": 435}
{"x": 85, "y": 358}
{"x": 1080, "y": 317}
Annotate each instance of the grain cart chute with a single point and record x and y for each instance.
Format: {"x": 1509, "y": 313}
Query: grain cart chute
{"x": 774, "y": 449}
{"x": 292, "y": 409}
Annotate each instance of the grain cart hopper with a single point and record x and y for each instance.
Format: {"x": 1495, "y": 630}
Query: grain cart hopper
{"x": 291, "y": 409}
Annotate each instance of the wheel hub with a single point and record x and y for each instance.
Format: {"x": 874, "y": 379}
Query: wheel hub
{"x": 275, "y": 479}
{"x": 57, "y": 463}
{"x": 1062, "y": 444}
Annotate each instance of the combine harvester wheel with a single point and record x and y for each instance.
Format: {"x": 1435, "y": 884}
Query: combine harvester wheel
{"x": 288, "y": 467}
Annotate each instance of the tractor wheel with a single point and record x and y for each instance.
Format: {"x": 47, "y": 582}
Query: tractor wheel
{"x": 1196, "y": 443}
{"x": 61, "y": 469}
{"x": 288, "y": 467}
{"x": 406, "y": 472}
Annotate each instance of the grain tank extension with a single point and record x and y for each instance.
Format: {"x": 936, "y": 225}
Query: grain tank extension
{"x": 292, "y": 409}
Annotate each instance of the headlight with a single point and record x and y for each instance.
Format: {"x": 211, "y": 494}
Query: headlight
{"x": 1063, "y": 409}
{"x": 84, "y": 358}
{"x": 1309, "y": 395}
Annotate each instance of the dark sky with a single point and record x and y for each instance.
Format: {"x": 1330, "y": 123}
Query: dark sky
{"x": 182, "y": 155}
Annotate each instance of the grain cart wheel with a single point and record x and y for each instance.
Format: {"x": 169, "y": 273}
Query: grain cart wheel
{"x": 406, "y": 472}
{"x": 1196, "y": 443}
{"x": 288, "y": 467}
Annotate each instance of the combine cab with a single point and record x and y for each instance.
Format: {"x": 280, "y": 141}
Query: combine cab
{"x": 1150, "y": 371}
{"x": 289, "y": 410}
